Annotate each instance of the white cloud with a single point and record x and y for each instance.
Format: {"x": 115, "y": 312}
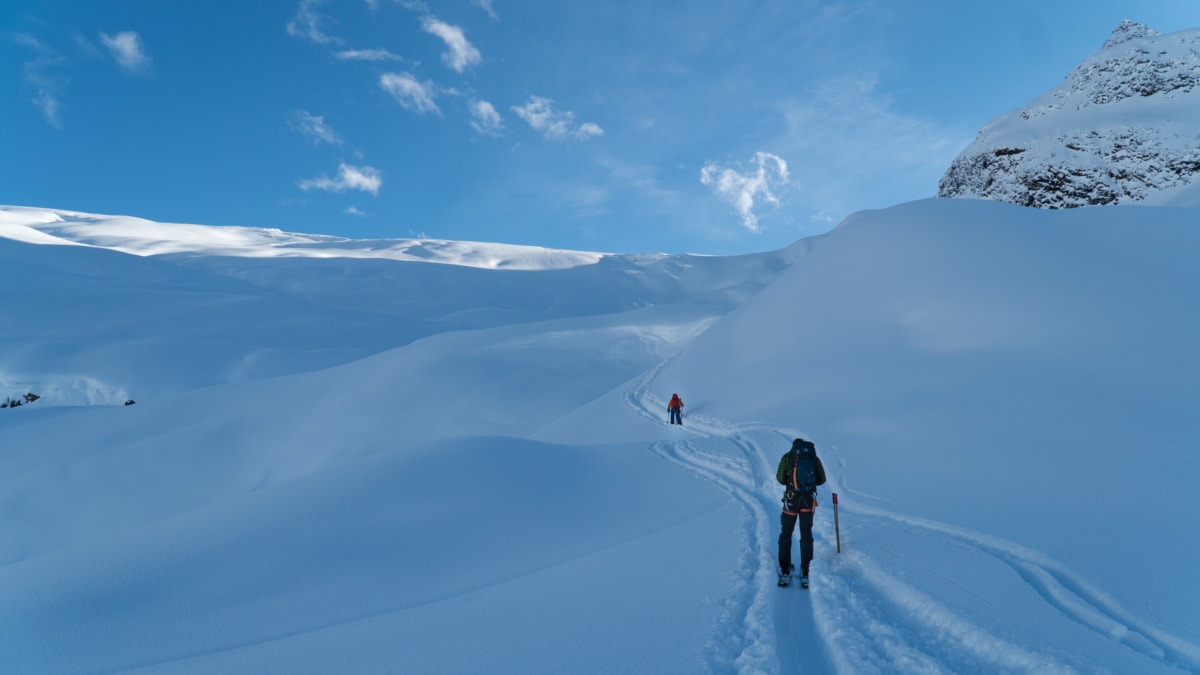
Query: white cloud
{"x": 462, "y": 54}
{"x": 126, "y": 48}
{"x": 349, "y": 177}
{"x": 355, "y": 211}
{"x": 366, "y": 55}
{"x": 307, "y": 24}
{"x": 314, "y": 127}
{"x": 40, "y": 73}
{"x": 486, "y": 5}
{"x": 414, "y": 95}
{"x": 540, "y": 114}
{"x": 588, "y": 129}
{"x": 770, "y": 172}
{"x": 487, "y": 120}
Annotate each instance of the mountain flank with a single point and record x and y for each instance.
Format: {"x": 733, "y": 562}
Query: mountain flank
{"x": 1121, "y": 127}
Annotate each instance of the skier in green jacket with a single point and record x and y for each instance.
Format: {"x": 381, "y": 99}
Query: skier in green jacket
{"x": 801, "y": 471}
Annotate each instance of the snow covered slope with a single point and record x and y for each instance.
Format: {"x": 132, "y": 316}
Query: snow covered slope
{"x": 97, "y": 324}
{"x": 1018, "y": 380}
{"x": 1121, "y": 128}
{"x": 457, "y": 466}
{"x": 138, "y": 236}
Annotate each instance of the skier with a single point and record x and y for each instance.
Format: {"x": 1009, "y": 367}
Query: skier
{"x": 675, "y": 410}
{"x": 801, "y": 471}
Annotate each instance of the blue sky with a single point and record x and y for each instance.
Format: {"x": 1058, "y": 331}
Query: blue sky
{"x": 676, "y": 126}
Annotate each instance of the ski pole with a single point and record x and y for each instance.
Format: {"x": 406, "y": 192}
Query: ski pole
{"x": 837, "y": 528}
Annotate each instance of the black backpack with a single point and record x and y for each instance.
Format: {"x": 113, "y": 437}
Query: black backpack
{"x": 804, "y": 469}
{"x": 802, "y": 480}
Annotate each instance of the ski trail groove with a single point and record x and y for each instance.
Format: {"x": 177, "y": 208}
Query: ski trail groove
{"x": 745, "y": 637}
{"x": 924, "y": 635}
{"x": 1070, "y": 594}
{"x": 745, "y": 632}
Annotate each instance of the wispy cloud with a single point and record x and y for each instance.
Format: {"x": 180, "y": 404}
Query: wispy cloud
{"x": 852, "y": 141}
{"x": 307, "y": 24}
{"x": 41, "y": 74}
{"x": 413, "y": 95}
{"x": 486, "y": 5}
{"x": 126, "y": 48}
{"x": 349, "y": 177}
{"x": 461, "y": 54}
{"x": 366, "y": 55}
{"x": 355, "y": 211}
{"x": 486, "y": 120}
{"x": 313, "y": 127}
{"x": 744, "y": 191}
{"x": 540, "y": 115}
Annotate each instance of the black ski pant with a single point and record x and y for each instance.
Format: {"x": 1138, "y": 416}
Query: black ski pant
{"x": 788, "y": 522}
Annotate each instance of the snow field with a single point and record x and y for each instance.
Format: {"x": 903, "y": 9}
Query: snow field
{"x": 349, "y": 465}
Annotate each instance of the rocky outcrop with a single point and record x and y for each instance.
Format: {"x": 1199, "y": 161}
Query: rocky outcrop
{"x": 10, "y": 402}
{"x": 1122, "y": 125}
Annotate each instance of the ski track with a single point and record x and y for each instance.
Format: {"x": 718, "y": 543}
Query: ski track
{"x": 869, "y": 620}
{"x": 745, "y": 638}
{"x": 1069, "y": 593}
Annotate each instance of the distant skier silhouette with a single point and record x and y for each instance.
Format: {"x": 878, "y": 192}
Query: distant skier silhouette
{"x": 675, "y": 410}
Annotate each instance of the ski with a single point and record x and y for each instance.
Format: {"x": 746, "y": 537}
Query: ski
{"x": 785, "y": 578}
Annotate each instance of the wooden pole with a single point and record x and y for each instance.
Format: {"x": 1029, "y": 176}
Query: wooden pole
{"x": 836, "y": 527}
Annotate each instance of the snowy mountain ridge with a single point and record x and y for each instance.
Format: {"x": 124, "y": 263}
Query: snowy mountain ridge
{"x": 1120, "y": 128}
{"x": 138, "y": 236}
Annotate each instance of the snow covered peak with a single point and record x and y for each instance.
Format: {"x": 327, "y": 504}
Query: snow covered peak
{"x": 1121, "y": 127}
{"x": 1128, "y": 30}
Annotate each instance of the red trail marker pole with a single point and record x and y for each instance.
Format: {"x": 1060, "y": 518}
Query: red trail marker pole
{"x": 836, "y": 527}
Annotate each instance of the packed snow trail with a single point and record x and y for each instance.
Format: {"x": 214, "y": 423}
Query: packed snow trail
{"x": 763, "y": 628}
{"x": 860, "y": 615}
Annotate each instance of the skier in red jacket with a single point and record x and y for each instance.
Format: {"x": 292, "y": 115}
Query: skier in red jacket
{"x": 675, "y": 410}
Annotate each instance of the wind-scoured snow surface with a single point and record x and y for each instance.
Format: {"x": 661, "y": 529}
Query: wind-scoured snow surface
{"x": 391, "y": 465}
